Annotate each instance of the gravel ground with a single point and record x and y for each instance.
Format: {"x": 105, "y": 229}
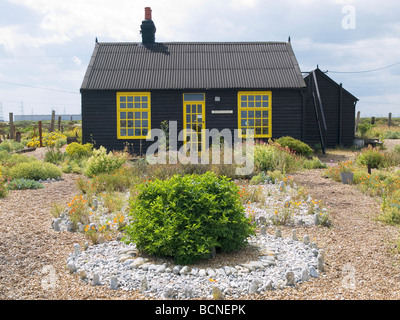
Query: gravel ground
{"x": 361, "y": 262}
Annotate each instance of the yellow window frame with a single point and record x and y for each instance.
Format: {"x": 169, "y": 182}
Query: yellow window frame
{"x": 197, "y": 123}
{"x": 249, "y": 112}
{"x": 133, "y": 115}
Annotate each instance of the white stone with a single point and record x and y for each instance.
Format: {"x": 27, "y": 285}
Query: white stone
{"x": 95, "y": 280}
{"x": 306, "y": 240}
{"x": 294, "y": 235}
{"x": 289, "y": 278}
{"x": 71, "y": 266}
{"x": 113, "y": 283}
{"x": 305, "y": 275}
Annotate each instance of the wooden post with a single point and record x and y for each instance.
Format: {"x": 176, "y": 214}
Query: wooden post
{"x": 390, "y": 120}
{"x": 373, "y": 120}
{"x": 59, "y": 123}
{"x": 11, "y": 123}
{"x": 53, "y": 119}
{"x": 18, "y": 136}
{"x": 40, "y": 134}
{"x": 357, "y": 122}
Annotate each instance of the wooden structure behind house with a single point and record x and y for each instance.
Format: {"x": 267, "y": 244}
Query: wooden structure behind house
{"x": 132, "y": 87}
{"x": 337, "y": 110}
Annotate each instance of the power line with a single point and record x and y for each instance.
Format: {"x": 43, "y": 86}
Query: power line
{"x": 35, "y": 87}
{"x": 365, "y": 71}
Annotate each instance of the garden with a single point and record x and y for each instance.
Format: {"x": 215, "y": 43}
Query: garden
{"x": 154, "y": 229}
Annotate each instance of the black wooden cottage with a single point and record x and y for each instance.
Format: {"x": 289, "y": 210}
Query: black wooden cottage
{"x": 330, "y": 112}
{"x": 131, "y": 88}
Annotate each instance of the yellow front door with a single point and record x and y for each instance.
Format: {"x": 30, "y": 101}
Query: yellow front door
{"x": 194, "y": 121}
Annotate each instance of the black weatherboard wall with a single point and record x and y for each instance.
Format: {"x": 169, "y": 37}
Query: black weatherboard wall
{"x": 168, "y": 70}
{"x": 338, "y": 109}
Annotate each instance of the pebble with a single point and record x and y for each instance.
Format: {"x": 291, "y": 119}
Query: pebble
{"x": 282, "y": 261}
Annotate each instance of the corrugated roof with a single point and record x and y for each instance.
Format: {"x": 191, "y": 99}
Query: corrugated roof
{"x": 133, "y": 66}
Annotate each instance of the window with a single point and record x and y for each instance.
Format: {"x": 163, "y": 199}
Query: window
{"x": 254, "y": 112}
{"x": 133, "y": 115}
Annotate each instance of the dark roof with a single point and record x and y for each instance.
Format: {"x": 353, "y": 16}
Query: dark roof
{"x": 244, "y": 65}
{"x": 330, "y": 80}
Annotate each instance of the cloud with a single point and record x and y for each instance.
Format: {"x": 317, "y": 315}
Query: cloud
{"x": 77, "y": 61}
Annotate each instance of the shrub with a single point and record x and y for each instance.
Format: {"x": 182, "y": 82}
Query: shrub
{"x": 103, "y": 162}
{"x": 10, "y": 145}
{"x": 35, "y": 170}
{"x": 48, "y": 139}
{"x": 295, "y": 145}
{"x": 370, "y": 157}
{"x": 185, "y": 217}
{"x": 22, "y": 184}
{"x": 314, "y": 163}
{"x": 3, "y": 189}
{"x": 77, "y": 151}
{"x": 272, "y": 156}
{"x": 54, "y": 155}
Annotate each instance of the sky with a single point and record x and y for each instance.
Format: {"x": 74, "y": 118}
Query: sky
{"x": 46, "y": 45}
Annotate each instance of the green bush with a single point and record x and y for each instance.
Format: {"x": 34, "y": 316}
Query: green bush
{"x": 370, "y": 157}
{"x": 77, "y": 151}
{"x": 314, "y": 163}
{"x": 54, "y": 155}
{"x": 295, "y": 145}
{"x": 22, "y": 184}
{"x": 186, "y": 216}
{"x": 103, "y": 162}
{"x": 35, "y": 170}
{"x": 10, "y": 145}
{"x": 272, "y": 156}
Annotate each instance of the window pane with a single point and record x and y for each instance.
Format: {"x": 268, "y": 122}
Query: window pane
{"x": 188, "y": 109}
{"x": 137, "y": 105}
{"x": 244, "y": 114}
{"x": 130, "y": 132}
{"x": 258, "y": 104}
{"x": 243, "y": 98}
{"x": 193, "y": 97}
{"x": 251, "y": 122}
{"x": 137, "y": 132}
{"x": 145, "y": 132}
{"x": 130, "y": 124}
{"x": 193, "y": 108}
{"x": 137, "y": 99}
{"x": 130, "y": 99}
{"x": 251, "y": 104}
{"x": 265, "y": 98}
{"x": 258, "y": 98}
{"x": 258, "y": 131}
{"x": 244, "y": 123}
{"x": 193, "y": 118}
{"x": 244, "y": 104}
{"x": 123, "y": 123}
{"x": 130, "y": 115}
{"x": 251, "y": 98}
{"x": 258, "y": 122}
{"x": 199, "y": 108}
{"x": 188, "y": 117}
{"x": 145, "y": 99}
{"x": 265, "y": 104}
{"x": 122, "y": 99}
{"x": 251, "y": 114}
{"x": 258, "y": 114}
{"x": 266, "y": 130}
{"x": 123, "y": 132}
{"x": 130, "y": 105}
{"x": 144, "y": 115}
{"x": 145, "y": 123}
{"x": 145, "y": 105}
{"x": 122, "y": 105}
{"x": 137, "y": 123}
{"x": 123, "y": 115}
{"x": 137, "y": 115}
{"x": 265, "y": 114}
{"x": 265, "y": 122}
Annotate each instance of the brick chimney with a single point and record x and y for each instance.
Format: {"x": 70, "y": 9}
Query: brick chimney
{"x": 148, "y": 29}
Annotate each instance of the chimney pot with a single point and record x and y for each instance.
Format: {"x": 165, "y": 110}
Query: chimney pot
{"x": 147, "y": 13}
